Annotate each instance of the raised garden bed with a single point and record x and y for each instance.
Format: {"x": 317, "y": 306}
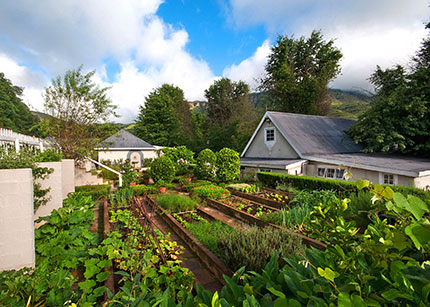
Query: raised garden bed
{"x": 252, "y": 220}
{"x": 216, "y": 266}
{"x": 257, "y": 197}
{"x": 247, "y": 206}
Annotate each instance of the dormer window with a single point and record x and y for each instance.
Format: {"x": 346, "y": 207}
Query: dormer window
{"x": 270, "y": 134}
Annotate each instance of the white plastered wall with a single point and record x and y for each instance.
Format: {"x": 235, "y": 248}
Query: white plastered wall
{"x": 113, "y": 155}
{"x": 280, "y": 149}
{"x": 16, "y": 219}
{"x": 55, "y": 183}
{"x": 68, "y": 176}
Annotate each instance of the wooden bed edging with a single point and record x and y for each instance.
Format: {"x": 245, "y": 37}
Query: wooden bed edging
{"x": 109, "y": 283}
{"x": 216, "y": 266}
{"x": 258, "y": 199}
{"x": 250, "y": 219}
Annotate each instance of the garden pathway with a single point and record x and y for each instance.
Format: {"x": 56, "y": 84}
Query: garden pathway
{"x": 190, "y": 260}
{"x": 226, "y": 219}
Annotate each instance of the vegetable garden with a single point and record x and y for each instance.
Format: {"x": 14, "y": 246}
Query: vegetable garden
{"x": 353, "y": 245}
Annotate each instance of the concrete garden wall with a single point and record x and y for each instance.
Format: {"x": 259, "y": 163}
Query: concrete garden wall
{"x": 68, "y": 177}
{"x": 16, "y": 219}
{"x": 54, "y": 182}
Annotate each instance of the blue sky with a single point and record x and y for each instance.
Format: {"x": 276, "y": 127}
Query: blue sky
{"x": 137, "y": 45}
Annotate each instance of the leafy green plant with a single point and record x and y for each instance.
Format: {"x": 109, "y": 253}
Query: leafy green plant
{"x": 141, "y": 189}
{"x": 95, "y": 191}
{"x": 206, "y": 165}
{"x": 208, "y": 233}
{"x": 211, "y": 191}
{"x": 49, "y": 155}
{"x": 228, "y": 165}
{"x": 251, "y": 189}
{"x": 182, "y": 158}
{"x": 176, "y": 203}
{"x": 162, "y": 168}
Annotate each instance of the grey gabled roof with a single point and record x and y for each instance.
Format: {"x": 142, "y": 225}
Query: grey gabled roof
{"x": 124, "y": 139}
{"x": 310, "y": 134}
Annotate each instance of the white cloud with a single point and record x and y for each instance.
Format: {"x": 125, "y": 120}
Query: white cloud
{"x": 250, "y": 70}
{"x": 58, "y": 37}
{"x": 368, "y": 32}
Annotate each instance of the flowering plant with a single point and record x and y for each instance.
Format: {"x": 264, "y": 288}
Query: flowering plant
{"x": 212, "y": 191}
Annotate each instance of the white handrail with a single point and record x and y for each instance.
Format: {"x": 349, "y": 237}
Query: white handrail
{"x": 109, "y": 169}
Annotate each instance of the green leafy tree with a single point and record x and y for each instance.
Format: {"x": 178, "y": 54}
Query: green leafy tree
{"x": 399, "y": 119}
{"x": 227, "y": 165}
{"x": 206, "y": 165}
{"x": 231, "y": 118}
{"x": 298, "y": 72}
{"x": 14, "y": 114}
{"x": 75, "y": 105}
{"x": 181, "y": 156}
{"x": 165, "y": 119}
{"x": 162, "y": 168}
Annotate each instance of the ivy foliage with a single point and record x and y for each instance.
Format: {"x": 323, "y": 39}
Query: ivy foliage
{"x": 399, "y": 119}
{"x": 227, "y": 165}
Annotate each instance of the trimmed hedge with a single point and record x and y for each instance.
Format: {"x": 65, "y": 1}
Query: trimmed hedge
{"x": 97, "y": 192}
{"x": 340, "y": 187}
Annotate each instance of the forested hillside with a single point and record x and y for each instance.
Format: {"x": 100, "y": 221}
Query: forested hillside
{"x": 15, "y": 114}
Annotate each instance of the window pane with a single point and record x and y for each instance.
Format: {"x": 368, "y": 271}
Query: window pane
{"x": 270, "y": 135}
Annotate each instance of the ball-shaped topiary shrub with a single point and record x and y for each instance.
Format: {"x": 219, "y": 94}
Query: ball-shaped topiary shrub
{"x": 162, "y": 168}
{"x": 228, "y": 165}
{"x": 181, "y": 157}
{"x": 206, "y": 165}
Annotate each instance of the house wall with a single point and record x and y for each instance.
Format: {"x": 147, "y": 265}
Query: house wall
{"x": 422, "y": 182}
{"x": 281, "y": 148}
{"x": 16, "y": 222}
{"x": 68, "y": 176}
{"x": 373, "y": 176}
{"x": 113, "y": 155}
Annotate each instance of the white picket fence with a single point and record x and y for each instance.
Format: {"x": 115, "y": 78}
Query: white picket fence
{"x": 10, "y": 139}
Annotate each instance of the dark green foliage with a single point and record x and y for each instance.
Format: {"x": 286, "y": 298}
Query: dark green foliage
{"x": 194, "y": 184}
{"x": 231, "y": 117}
{"x": 253, "y": 247}
{"x": 399, "y": 119}
{"x": 174, "y": 203}
{"x": 14, "y": 114}
{"x": 62, "y": 245}
{"x": 306, "y": 183}
{"x": 75, "y": 105}
{"x": 162, "y": 168}
{"x": 298, "y": 72}
{"x": 206, "y": 165}
{"x": 50, "y": 155}
{"x": 208, "y": 233}
{"x": 165, "y": 119}
{"x": 228, "y": 165}
{"x": 360, "y": 207}
{"x": 95, "y": 191}
{"x": 181, "y": 156}
{"x": 340, "y": 187}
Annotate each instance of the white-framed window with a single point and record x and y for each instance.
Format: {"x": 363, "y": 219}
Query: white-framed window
{"x": 269, "y": 134}
{"x": 329, "y": 172}
{"x": 387, "y": 178}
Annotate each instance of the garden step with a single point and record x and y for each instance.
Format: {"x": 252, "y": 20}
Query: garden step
{"x": 226, "y": 219}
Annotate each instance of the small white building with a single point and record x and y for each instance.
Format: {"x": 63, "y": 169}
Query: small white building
{"x": 318, "y": 146}
{"x": 124, "y": 145}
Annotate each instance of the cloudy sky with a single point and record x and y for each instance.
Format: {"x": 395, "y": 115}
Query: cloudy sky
{"x": 137, "y": 45}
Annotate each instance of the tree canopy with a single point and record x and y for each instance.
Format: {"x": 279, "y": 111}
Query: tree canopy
{"x": 399, "y": 119}
{"x": 165, "y": 119}
{"x": 14, "y": 114}
{"x": 298, "y": 72}
{"x": 231, "y": 117}
{"x": 76, "y": 106}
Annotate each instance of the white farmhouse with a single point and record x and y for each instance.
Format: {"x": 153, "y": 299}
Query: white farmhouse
{"x": 318, "y": 146}
{"x": 124, "y": 145}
